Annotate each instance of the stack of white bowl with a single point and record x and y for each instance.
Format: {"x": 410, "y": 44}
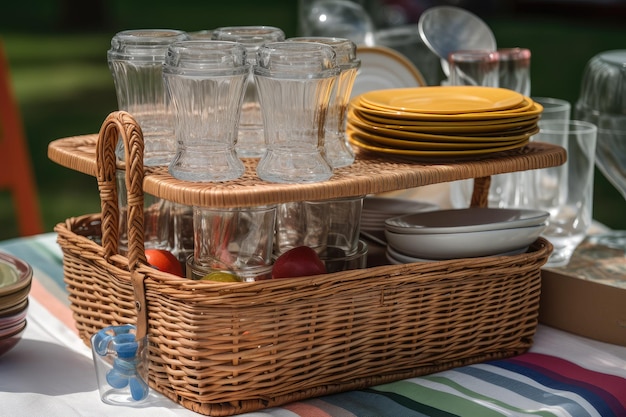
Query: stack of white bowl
{"x": 462, "y": 233}
{"x": 15, "y": 281}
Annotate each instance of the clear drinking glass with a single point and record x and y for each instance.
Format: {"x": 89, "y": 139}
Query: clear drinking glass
{"x": 407, "y": 40}
{"x": 250, "y": 139}
{"x": 157, "y": 218}
{"x": 136, "y": 63}
{"x": 554, "y": 109}
{"x": 295, "y": 82}
{"x": 514, "y": 69}
{"x": 206, "y": 81}
{"x": 339, "y": 153}
{"x": 474, "y": 67}
{"x": 330, "y": 227}
{"x": 567, "y": 191}
{"x": 236, "y": 239}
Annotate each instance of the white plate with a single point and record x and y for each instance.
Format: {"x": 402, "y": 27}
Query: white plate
{"x": 383, "y": 68}
{"x": 465, "y": 220}
{"x": 463, "y": 245}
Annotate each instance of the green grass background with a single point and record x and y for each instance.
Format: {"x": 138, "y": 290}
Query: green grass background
{"x": 64, "y": 88}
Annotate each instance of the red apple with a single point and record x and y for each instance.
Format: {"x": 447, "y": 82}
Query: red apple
{"x": 165, "y": 261}
{"x": 298, "y": 262}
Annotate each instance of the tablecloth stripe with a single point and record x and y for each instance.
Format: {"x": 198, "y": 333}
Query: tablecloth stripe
{"x": 533, "y": 384}
{"x": 371, "y": 402}
{"x": 522, "y": 395}
{"x": 606, "y": 392}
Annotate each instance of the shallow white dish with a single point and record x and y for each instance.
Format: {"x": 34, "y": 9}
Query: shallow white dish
{"x": 463, "y": 245}
{"x": 383, "y": 68}
{"x": 406, "y": 259}
{"x": 464, "y": 220}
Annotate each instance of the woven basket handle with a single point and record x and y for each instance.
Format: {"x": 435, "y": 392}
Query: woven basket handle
{"x": 121, "y": 124}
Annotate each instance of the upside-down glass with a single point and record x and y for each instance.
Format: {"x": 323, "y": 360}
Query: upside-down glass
{"x": 339, "y": 153}
{"x": 206, "y": 81}
{"x": 602, "y": 101}
{"x": 250, "y": 139}
{"x": 136, "y": 62}
{"x": 295, "y": 81}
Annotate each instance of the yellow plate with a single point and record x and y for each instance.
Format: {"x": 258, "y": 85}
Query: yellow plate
{"x": 392, "y": 142}
{"x": 444, "y": 100}
{"x": 534, "y": 110}
{"x": 524, "y": 106}
{"x": 362, "y": 143}
{"x": 447, "y": 127}
{"x": 515, "y": 135}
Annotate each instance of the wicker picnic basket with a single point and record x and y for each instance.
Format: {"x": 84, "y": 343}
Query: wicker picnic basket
{"x": 227, "y": 348}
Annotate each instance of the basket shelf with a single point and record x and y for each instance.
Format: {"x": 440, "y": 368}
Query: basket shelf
{"x": 368, "y": 175}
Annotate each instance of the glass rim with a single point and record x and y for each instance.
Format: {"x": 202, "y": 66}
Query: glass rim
{"x": 580, "y": 126}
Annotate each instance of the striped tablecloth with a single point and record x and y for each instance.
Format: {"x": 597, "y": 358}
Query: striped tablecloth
{"x": 50, "y": 372}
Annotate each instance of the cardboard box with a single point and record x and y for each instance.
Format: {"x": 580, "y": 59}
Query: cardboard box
{"x": 588, "y": 296}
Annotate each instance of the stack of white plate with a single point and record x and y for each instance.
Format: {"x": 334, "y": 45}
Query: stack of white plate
{"x": 378, "y": 209}
{"x": 446, "y": 122}
{"x": 462, "y": 233}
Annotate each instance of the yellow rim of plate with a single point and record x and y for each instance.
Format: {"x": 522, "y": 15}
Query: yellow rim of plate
{"x": 360, "y": 143}
{"x": 444, "y": 99}
{"x": 514, "y": 135}
{"x": 524, "y": 106}
{"x": 534, "y": 110}
{"x": 445, "y": 126}
{"x": 396, "y": 143}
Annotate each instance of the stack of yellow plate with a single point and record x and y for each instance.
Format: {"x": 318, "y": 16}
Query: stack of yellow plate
{"x": 442, "y": 122}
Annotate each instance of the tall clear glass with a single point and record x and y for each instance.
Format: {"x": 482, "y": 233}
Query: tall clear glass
{"x": 250, "y": 139}
{"x": 295, "y": 82}
{"x": 338, "y": 150}
{"x": 474, "y": 67}
{"x": 515, "y": 69}
{"x": 206, "y": 81}
{"x": 136, "y": 63}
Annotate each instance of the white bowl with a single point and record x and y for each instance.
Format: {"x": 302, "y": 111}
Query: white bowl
{"x": 400, "y": 258}
{"x": 473, "y": 219}
{"x": 463, "y": 245}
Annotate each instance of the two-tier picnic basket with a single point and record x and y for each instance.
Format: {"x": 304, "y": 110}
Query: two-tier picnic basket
{"x": 227, "y": 348}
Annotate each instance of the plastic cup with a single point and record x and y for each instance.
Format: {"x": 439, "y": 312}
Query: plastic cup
{"x": 121, "y": 364}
